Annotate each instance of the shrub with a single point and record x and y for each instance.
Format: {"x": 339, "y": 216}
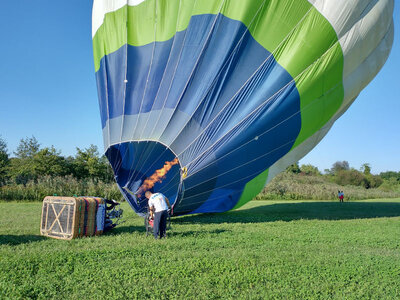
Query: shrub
{"x": 63, "y": 186}
{"x": 350, "y": 177}
{"x": 290, "y": 186}
{"x": 390, "y": 185}
{"x": 309, "y": 170}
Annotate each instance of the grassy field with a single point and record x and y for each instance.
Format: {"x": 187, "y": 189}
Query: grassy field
{"x": 267, "y": 249}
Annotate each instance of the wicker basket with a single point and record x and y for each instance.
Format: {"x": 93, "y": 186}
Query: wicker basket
{"x": 70, "y": 217}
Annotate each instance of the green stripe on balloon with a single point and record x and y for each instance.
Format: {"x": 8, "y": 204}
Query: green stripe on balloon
{"x": 252, "y": 189}
{"x": 110, "y": 36}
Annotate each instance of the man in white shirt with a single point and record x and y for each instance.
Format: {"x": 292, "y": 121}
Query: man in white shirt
{"x": 159, "y": 206}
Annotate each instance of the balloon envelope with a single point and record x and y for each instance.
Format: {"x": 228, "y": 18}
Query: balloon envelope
{"x": 237, "y": 90}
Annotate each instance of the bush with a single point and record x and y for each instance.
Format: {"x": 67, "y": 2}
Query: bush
{"x": 63, "y": 186}
{"x": 309, "y": 170}
{"x": 390, "y": 185}
{"x": 350, "y": 177}
{"x": 290, "y": 186}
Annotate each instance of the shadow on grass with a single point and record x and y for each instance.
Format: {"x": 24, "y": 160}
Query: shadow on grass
{"x": 196, "y": 233}
{"x": 14, "y": 240}
{"x": 298, "y": 211}
{"x": 125, "y": 229}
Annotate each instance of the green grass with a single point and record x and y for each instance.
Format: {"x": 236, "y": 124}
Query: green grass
{"x": 267, "y": 249}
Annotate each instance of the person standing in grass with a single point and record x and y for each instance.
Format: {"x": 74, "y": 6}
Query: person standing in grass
{"x": 159, "y": 206}
{"x": 340, "y": 196}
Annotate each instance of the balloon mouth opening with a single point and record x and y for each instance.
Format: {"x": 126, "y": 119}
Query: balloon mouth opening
{"x": 147, "y": 166}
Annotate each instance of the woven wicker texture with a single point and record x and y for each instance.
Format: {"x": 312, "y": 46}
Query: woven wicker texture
{"x": 70, "y": 217}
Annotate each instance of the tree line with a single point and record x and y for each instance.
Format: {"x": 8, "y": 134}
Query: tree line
{"x": 31, "y": 162}
{"x": 33, "y": 172}
{"x": 342, "y": 174}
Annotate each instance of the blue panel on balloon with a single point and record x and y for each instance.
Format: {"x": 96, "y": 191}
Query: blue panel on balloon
{"x": 243, "y": 113}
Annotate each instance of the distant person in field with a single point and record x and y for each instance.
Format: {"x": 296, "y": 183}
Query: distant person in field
{"x": 340, "y": 196}
{"x": 159, "y": 206}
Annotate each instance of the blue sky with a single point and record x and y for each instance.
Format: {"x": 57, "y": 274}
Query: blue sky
{"x": 48, "y": 89}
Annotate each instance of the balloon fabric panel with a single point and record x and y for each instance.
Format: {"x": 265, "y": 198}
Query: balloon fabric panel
{"x": 231, "y": 88}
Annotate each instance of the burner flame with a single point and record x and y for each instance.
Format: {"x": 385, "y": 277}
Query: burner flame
{"x": 158, "y": 176}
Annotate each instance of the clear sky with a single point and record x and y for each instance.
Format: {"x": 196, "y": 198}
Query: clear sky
{"x": 48, "y": 89}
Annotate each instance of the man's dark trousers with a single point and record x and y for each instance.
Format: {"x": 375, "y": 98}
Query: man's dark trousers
{"x": 160, "y": 223}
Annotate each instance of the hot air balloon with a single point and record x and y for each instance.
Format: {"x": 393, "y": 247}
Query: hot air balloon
{"x": 207, "y": 100}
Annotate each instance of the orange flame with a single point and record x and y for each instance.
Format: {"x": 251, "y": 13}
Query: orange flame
{"x": 158, "y": 176}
